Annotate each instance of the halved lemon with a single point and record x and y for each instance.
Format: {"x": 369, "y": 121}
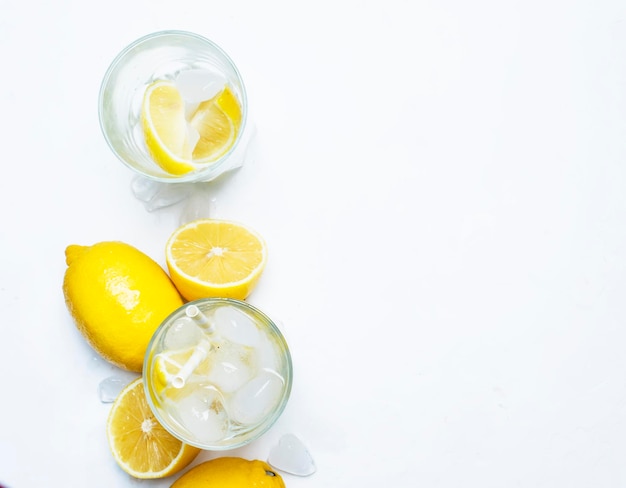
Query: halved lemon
{"x": 180, "y": 142}
{"x": 140, "y": 445}
{"x": 215, "y": 258}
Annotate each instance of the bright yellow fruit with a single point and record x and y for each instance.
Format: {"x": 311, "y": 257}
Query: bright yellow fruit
{"x": 118, "y": 296}
{"x": 217, "y": 122}
{"x": 140, "y": 445}
{"x": 165, "y": 128}
{"x": 215, "y": 258}
{"x": 169, "y": 134}
{"x": 230, "y": 472}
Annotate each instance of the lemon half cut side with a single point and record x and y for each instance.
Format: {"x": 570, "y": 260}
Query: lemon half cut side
{"x": 139, "y": 444}
{"x": 215, "y": 258}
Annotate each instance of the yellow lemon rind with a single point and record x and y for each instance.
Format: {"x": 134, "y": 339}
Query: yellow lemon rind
{"x": 164, "y": 157}
{"x": 192, "y": 288}
{"x": 117, "y": 297}
{"x": 185, "y": 456}
{"x": 231, "y": 472}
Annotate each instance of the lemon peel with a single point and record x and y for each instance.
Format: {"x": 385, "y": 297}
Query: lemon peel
{"x": 117, "y": 296}
{"x": 139, "y": 444}
{"x": 230, "y": 472}
{"x": 180, "y": 143}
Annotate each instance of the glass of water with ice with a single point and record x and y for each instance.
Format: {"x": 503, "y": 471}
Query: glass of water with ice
{"x": 173, "y": 108}
{"x": 217, "y": 373}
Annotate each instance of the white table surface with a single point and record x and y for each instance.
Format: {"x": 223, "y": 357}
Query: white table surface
{"x": 442, "y": 187}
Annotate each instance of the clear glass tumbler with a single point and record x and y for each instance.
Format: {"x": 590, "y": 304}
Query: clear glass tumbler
{"x": 163, "y": 56}
{"x": 217, "y": 373}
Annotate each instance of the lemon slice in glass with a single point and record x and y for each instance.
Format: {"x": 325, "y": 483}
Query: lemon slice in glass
{"x": 179, "y": 142}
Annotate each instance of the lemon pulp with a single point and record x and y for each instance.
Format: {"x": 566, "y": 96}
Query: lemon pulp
{"x": 181, "y": 141}
{"x": 139, "y": 444}
{"x": 215, "y": 258}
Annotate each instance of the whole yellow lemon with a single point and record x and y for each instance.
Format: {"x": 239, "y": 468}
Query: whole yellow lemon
{"x": 230, "y": 472}
{"x": 118, "y": 296}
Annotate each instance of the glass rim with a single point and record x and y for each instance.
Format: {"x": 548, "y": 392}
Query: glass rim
{"x": 193, "y": 176}
{"x": 263, "y": 426}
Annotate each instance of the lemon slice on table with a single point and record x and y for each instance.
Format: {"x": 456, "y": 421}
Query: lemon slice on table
{"x": 140, "y": 445}
{"x": 215, "y": 258}
{"x": 180, "y": 142}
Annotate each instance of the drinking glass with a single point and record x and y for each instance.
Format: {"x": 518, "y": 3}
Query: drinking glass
{"x": 163, "y": 56}
{"x": 217, "y": 373}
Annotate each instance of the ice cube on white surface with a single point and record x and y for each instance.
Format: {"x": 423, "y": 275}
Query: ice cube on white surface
{"x": 236, "y": 326}
{"x": 202, "y": 413}
{"x": 256, "y": 398}
{"x": 291, "y": 456}
{"x": 231, "y": 367}
{"x": 197, "y": 85}
{"x": 182, "y": 334}
{"x": 155, "y": 194}
{"x": 199, "y": 205}
{"x": 109, "y": 388}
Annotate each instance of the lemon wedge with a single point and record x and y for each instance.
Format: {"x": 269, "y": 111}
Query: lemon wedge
{"x": 181, "y": 142}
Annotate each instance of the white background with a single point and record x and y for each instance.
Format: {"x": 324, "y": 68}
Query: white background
{"x": 442, "y": 187}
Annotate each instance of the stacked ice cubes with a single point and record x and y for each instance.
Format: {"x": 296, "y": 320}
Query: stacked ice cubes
{"x": 240, "y": 382}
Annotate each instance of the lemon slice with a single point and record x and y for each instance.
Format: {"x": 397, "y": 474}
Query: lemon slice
{"x": 139, "y": 444}
{"x": 215, "y": 258}
{"x": 167, "y": 365}
{"x": 180, "y": 145}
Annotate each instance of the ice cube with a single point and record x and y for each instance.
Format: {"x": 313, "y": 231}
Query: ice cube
{"x": 190, "y": 109}
{"x": 197, "y": 85}
{"x": 267, "y": 355}
{"x": 164, "y": 71}
{"x": 256, "y": 399}
{"x": 143, "y": 188}
{"x": 194, "y": 136}
{"x": 291, "y": 456}
{"x": 109, "y": 388}
{"x": 182, "y": 334}
{"x": 231, "y": 367}
{"x": 156, "y": 195}
{"x": 202, "y": 413}
{"x": 236, "y": 326}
